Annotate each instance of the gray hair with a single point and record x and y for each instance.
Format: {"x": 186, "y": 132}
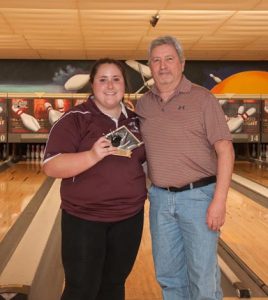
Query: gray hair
{"x": 167, "y": 40}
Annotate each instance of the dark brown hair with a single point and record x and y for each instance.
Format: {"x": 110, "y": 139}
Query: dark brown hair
{"x": 107, "y": 60}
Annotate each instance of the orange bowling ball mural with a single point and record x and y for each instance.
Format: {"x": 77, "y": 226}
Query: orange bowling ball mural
{"x": 248, "y": 82}
{"x": 242, "y": 115}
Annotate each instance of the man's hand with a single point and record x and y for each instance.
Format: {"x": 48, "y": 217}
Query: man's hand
{"x": 216, "y": 214}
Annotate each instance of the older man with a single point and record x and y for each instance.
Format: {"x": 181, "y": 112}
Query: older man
{"x": 190, "y": 160}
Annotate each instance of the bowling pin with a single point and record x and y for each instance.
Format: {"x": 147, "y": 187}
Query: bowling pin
{"x": 53, "y": 115}
{"x": 32, "y": 153}
{"x": 4, "y": 153}
{"x": 76, "y": 82}
{"x": 222, "y": 101}
{"x": 28, "y": 153}
{"x": 241, "y": 110}
{"x": 235, "y": 122}
{"x": 266, "y": 106}
{"x": 1, "y": 109}
{"x": 254, "y": 153}
{"x": 37, "y": 152}
{"x": 42, "y": 152}
{"x": 60, "y": 105}
{"x": 215, "y": 78}
{"x": 28, "y": 121}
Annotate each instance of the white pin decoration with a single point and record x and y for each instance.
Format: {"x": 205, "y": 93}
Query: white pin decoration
{"x": 28, "y": 121}
{"x": 241, "y": 110}
{"x": 60, "y": 105}
{"x": 42, "y": 150}
{"x": 222, "y": 101}
{"x": 215, "y": 78}
{"x": 53, "y": 115}
{"x": 76, "y": 82}
{"x": 236, "y": 122}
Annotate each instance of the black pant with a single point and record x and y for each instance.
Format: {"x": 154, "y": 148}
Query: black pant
{"x": 97, "y": 256}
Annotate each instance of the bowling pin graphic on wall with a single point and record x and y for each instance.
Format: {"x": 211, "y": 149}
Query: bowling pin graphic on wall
{"x": 53, "y": 114}
{"x": 242, "y": 117}
{"x": 234, "y": 123}
{"x": 3, "y": 120}
{"x": 19, "y": 108}
{"x": 266, "y": 106}
{"x": 59, "y": 105}
{"x": 241, "y": 110}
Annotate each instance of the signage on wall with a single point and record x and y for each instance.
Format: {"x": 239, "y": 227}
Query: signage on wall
{"x": 243, "y": 119}
{"x": 3, "y": 120}
{"x": 265, "y": 120}
{"x": 35, "y": 115}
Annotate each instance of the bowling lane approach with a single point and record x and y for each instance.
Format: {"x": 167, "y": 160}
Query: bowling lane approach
{"x": 245, "y": 231}
{"x": 250, "y": 170}
{"x": 18, "y": 184}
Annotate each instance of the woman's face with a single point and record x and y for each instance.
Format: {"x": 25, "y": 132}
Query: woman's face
{"x": 108, "y": 86}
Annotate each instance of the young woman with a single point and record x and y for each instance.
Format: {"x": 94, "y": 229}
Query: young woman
{"x": 102, "y": 193}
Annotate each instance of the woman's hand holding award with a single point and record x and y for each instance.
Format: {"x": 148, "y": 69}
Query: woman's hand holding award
{"x": 124, "y": 140}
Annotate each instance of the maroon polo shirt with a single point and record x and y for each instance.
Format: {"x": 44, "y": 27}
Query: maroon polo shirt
{"x": 113, "y": 189}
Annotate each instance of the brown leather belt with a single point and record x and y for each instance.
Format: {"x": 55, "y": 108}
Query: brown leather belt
{"x": 199, "y": 183}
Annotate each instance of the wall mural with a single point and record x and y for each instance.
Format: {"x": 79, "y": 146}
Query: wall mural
{"x": 38, "y": 111}
{"x": 31, "y": 76}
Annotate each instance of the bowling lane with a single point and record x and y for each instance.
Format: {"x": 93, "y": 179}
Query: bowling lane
{"x": 252, "y": 171}
{"x": 18, "y": 184}
{"x": 141, "y": 284}
{"x": 246, "y": 232}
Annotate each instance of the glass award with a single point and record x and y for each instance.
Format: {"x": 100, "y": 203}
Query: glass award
{"x": 124, "y": 140}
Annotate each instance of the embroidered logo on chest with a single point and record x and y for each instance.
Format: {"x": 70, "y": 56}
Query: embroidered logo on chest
{"x": 133, "y": 126}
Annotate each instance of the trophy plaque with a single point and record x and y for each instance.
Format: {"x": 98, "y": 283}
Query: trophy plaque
{"x": 124, "y": 140}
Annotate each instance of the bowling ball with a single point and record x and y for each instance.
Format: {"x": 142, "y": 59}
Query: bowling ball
{"x": 248, "y": 82}
{"x": 116, "y": 139}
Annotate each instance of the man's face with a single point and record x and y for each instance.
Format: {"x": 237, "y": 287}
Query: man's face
{"x": 165, "y": 66}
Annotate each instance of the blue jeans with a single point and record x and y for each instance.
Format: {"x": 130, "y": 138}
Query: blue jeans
{"x": 184, "y": 249}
